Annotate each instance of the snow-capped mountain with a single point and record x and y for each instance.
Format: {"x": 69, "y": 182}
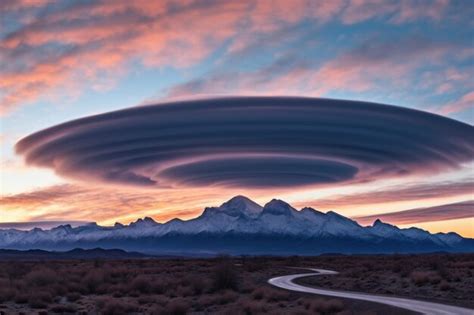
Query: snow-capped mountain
{"x": 241, "y": 226}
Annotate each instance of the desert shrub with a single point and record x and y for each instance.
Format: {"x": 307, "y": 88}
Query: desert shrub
{"x": 156, "y": 310}
{"x": 176, "y": 306}
{"x": 41, "y": 277}
{"x": 270, "y": 294}
{"x": 14, "y": 271}
{"x": 198, "y": 284}
{"x": 39, "y": 299}
{"x": 326, "y": 306}
{"x": 424, "y": 277}
{"x": 277, "y": 295}
{"x": 117, "y": 307}
{"x": 73, "y": 296}
{"x": 141, "y": 284}
{"x": 258, "y": 294}
{"x": 253, "y": 307}
{"x": 63, "y": 308}
{"x": 444, "y": 286}
{"x": 226, "y": 297}
{"x": 93, "y": 280}
{"x": 7, "y": 294}
{"x": 98, "y": 263}
{"x": 184, "y": 291}
{"x": 254, "y": 265}
{"x": 160, "y": 285}
{"x": 224, "y": 276}
{"x": 206, "y": 300}
{"x": 146, "y": 299}
{"x": 21, "y": 298}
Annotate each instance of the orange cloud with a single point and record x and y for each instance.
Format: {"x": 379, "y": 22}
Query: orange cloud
{"x": 104, "y": 205}
{"x": 107, "y": 205}
{"x": 63, "y": 48}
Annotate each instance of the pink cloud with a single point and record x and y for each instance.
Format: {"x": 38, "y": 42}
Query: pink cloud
{"x": 410, "y": 192}
{"x": 464, "y": 103}
{"x": 374, "y": 64}
{"x": 104, "y": 38}
{"x": 460, "y": 210}
{"x": 103, "y": 204}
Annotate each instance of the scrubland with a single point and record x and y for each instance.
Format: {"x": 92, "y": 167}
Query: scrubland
{"x": 227, "y": 285}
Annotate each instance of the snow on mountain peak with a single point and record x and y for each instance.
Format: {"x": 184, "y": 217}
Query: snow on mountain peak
{"x": 277, "y": 206}
{"x": 241, "y": 205}
{"x": 238, "y": 216}
{"x": 377, "y": 222}
{"x": 145, "y": 222}
{"x": 311, "y": 210}
{"x": 382, "y": 225}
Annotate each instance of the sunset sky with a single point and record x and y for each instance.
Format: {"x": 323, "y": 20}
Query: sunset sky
{"x": 64, "y": 60}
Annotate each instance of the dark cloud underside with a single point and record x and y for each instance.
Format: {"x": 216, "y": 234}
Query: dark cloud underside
{"x": 251, "y": 142}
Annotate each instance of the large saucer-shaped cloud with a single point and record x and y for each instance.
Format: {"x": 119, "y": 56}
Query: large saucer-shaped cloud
{"x": 251, "y": 142}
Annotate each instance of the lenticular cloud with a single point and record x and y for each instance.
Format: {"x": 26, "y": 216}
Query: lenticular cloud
{"x": 251, "y": 142}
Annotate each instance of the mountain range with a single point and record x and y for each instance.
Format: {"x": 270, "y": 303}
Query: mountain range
{"x": 241, "y": 226}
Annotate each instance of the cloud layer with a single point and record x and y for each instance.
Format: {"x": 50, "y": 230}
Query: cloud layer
{"x": 459, "y": 210}
{"x": 47, "y": 47}
{"x": 412, "y": 191}
{"x": 251, "y": 142}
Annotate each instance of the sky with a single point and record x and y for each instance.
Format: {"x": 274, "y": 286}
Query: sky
{"x": 64, "y": 60}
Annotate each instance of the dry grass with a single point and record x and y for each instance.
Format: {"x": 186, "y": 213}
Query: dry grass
{"x": 447, "y": 278}
{"x": 223, "y": 285}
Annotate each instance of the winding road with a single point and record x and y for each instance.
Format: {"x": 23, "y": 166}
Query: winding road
{"x": 286, "y": 282}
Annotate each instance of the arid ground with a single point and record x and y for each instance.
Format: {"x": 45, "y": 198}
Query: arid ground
{"x": 228, "y": 285}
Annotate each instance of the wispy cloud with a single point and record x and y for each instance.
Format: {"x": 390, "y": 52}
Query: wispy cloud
{"x": 464, "y": 103}
{"x": 376, "y": 65}
{"x": 59, "y": 48}
{"x": 406, "y": 192}
{"x": 460, "y": 210}
{"x": 107, "y": 204}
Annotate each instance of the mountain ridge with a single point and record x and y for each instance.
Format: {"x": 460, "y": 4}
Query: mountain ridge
{"x": 241, "y": 226}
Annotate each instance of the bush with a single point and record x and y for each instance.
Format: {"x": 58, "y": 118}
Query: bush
{"x": 140, "y": 284}
{"x": 198, "y": 284}
{"x": 258, "y": 294}
{"x": 39, "y": 300}
{"x": 424, "y": 277}
{"x": 225, "y": 277}
{"x": 111, "y": 306}
{"x": 253, "y": 307}
{"x": 21, "y": 298}
{"x": 73, "y": 296}
{"x": 226, "y": 297}
{"x": 118, "y": 307}
{"x": 63, "y": 308}
{"x": 6, "y": 294}
{"x": 93, "y": 280}
{"x": 327, "y": 306}
{"x": 176, "y": 307}
{"x": 41, "y": 277}
{"x": 445, "y": 286}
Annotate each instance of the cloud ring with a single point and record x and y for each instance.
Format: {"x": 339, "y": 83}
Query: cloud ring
{"x": 251, "y": 142}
